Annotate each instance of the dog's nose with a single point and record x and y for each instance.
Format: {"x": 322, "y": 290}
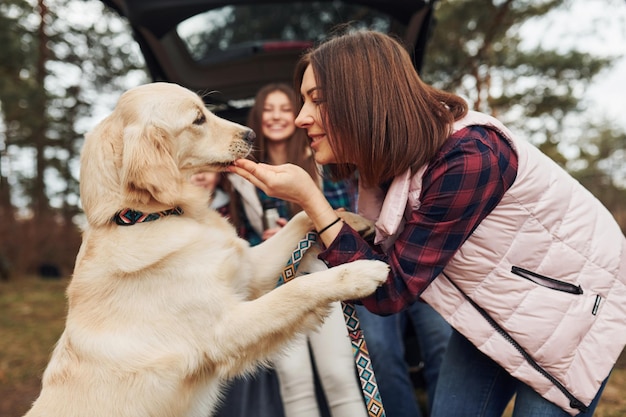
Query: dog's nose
{"x": 249, "y": 137}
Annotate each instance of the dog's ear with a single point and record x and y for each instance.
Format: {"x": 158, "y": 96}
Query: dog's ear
{"x": 99, "y": 170}
{"x": 148, "y": 167}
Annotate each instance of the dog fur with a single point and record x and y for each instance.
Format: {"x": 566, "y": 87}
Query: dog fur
{"x": 162, "y": 313}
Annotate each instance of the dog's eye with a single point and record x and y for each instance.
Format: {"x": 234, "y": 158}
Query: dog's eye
{"x": 200, "y": 120}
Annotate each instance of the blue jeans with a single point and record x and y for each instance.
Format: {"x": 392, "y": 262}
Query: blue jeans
{"x": 384, "y": 337}
{"x": 473, "y": 385}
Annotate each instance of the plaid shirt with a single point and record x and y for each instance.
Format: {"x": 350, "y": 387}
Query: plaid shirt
{"x": 462, "y": 184}
{"x": 342, "y": 194}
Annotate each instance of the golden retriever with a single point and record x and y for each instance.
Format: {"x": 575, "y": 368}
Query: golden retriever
{"x": 162, "y": 312}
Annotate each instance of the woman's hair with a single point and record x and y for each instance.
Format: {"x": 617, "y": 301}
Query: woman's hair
{"x": 376, "y": 110}
{"x": 298, "y": 150}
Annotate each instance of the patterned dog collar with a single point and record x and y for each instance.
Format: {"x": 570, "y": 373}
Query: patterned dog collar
{"x": 128, "y": 217}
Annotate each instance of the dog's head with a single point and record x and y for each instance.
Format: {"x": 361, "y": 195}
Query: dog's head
{"x": 142, "y": 155}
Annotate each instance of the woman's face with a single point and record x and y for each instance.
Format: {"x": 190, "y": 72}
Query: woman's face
{"x": 278, "y": 117}
{"x": 310, "y": 118}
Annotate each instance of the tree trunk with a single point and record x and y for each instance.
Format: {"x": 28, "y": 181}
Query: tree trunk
{"x": 38, "y": 193}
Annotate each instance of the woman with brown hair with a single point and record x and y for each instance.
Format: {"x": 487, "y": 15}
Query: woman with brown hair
{"x": 524, "y": 263}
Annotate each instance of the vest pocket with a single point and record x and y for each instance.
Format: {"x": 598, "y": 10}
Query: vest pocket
{"x": 547, "y": 282}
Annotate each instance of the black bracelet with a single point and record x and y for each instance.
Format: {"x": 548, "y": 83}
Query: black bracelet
{"x": 334, "y": 222}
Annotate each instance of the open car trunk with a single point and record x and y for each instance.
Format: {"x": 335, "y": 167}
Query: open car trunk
{"x": 227, "y": 50}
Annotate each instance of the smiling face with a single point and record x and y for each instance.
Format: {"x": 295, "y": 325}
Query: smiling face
{"x": 278, "y": 117}
{"x": 310, "y": 118}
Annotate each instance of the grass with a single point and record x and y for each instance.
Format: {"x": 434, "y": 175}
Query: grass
{"x": 32, "y": 316}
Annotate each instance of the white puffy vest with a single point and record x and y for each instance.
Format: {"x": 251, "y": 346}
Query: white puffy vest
{"x": 540, "y": 285}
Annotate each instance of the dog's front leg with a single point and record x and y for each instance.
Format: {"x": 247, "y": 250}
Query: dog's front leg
{"x": 258, "y": 329}
{"x": 270, "y": 257}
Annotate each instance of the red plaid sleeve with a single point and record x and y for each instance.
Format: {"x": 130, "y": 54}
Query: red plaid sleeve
{"x": 461, "y": 186}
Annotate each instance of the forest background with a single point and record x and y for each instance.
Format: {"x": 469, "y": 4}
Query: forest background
{"x": 63, "y": 64}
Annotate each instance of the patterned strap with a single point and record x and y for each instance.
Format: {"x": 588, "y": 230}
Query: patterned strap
{"x": 128, "y": 217}
{"x": 289, "y": 272}
{"x": 373, "y": 401}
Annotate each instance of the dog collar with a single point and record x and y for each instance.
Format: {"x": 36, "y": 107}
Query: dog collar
{"x": 128, "y": 217}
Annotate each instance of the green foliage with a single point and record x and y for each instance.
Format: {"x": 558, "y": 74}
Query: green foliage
{"x": 476, "y": 50}
{"x": 601, "y": 167}
{"x": 16, "y": 88}
{"x": 48, "y": 75}
{"x": 54, "y": 70}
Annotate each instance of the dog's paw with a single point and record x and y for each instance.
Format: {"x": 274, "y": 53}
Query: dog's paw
{"x": 363, "y": 226}
{"x": 360, "y": 278}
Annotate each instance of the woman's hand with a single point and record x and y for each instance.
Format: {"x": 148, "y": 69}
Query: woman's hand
{"x": 292, "y": 183}
{"x": 287, "y": 182}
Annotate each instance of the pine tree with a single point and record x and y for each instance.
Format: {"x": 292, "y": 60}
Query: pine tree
{"x": 56, "y": 68}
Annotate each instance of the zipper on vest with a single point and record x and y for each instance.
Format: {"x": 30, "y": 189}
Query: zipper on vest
{"x": 547, "y": 281}
{"x": 573, "y": 401}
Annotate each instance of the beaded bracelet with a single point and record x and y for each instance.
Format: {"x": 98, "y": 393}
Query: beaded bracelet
{"x": 334, "y": 222}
